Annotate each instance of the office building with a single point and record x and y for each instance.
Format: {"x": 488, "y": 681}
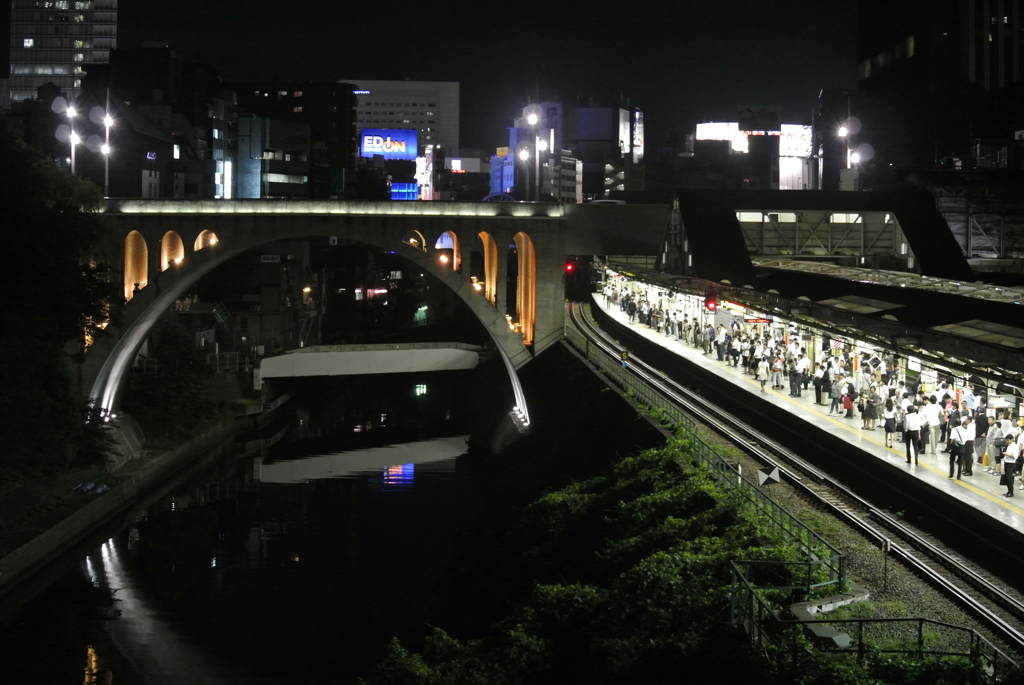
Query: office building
{"x": 431, "y": 108}
{"x": 56, "y": 41}
{"x": 940, "y": 81}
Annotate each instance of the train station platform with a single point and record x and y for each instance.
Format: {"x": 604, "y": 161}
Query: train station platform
{"x": 980, "y": 491}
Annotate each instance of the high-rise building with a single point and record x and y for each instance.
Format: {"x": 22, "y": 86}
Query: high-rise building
{"x": 55, "y": 41}
{"x": 429, "y": 107}
{"x": 938, "y": 78}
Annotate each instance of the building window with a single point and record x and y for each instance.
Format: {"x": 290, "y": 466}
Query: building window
{"x": 29, "y": 43}
{"x": 298, "y": 93}
{"x": 910, "y": 46}
{"x": 296, "y": 109}
{"x": 79, "y": 57}
{"x": 865, "y": 69}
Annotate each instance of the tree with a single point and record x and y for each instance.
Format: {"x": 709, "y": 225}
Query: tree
{"x": 58, "y": 286}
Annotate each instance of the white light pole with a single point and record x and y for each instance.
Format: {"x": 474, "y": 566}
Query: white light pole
{"x": 531, "y": 120}
{"x": 524, "y": 155}
{"x": 108, "y": 121}
{"x": 844, "y": 133}
{"x": 74, "y": 136}
{"x": 541, "y": 146}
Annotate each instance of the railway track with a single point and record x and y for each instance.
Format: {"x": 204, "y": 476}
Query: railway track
{"x": 983, "y": 596}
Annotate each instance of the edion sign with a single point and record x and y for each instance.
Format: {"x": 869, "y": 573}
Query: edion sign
{"x": 389, "y": 143}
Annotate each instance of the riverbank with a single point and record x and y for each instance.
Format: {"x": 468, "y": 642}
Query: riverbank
{"x": 44, "y": 517}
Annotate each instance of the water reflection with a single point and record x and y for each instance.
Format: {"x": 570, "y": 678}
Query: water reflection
{"x": 144, "y": 632}
{"x": 287, "y": 570}
{"x": 395, "y": 461}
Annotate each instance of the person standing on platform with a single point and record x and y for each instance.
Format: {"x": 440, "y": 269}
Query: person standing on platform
{"x": 932, "y": 415}
{"x": 967, "y": 453}
{"x": 777, "y": 368}
{"x": 762, "y": 372}
{"x": 889, "y": 421}
{"x": 957, "y": 440}
{"x": 836, "y": 393}
{"x": 980, "y": 430}
{"x": 819, "y": 375}
{"x": 912, "y": 433}
{"x": 1011, "y": 465}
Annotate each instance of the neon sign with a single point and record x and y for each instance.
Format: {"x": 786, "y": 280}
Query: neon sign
{"x": 389, "y": 143}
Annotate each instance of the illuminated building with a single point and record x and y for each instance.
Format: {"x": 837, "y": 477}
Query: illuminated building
{"x": 431, "y": 108}
{"x": 56, "y": 41}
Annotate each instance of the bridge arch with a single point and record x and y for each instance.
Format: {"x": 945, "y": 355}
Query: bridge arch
{"x": 490, "y": 272}
{"x": 136, "y": 263}
{"x": 204, "y": 239}
{"x": 526, "y": 286}
{"x": 172, "y": 250}
{"x": 174, "y": 283}
{"x": 415, "y": 239}
{"x": 450, "y": 241}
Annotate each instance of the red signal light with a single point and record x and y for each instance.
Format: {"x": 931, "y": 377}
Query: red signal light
{"x": 569, "y": 266}
{"x": 710, "y": 304}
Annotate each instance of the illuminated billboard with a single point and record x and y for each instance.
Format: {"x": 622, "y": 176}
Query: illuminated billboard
{"x": 389, "y": 143}
{"x": 794, "y": 141}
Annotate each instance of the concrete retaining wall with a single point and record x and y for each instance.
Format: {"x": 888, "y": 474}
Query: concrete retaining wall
{"x": 42, "y": 550}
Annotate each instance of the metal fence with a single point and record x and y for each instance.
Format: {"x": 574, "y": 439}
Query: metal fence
{"x": 822, "y": 554}
{"x": 753, "y": 609}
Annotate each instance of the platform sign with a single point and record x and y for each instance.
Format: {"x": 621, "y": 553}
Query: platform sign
{"x": 749, "y": 320}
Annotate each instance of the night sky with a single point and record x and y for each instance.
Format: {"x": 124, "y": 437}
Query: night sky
{"x": 681, "y": 62}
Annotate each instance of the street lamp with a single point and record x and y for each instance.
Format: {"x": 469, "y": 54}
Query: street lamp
{"x": 75, "y": 140}
{"x": 524, "y": 155}
{"x": 108, "y": 122}
{"x": 541, "y": 146}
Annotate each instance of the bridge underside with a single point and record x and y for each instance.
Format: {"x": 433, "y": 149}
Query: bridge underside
{"x": 358, "y": 360}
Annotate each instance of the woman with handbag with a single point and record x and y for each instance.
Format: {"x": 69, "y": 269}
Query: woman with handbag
{"x": 994, "y": 444}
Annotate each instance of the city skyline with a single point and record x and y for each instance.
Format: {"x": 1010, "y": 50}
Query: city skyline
{"x": 680, "y": 67}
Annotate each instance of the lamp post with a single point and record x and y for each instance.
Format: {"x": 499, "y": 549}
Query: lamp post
{"x": 531, "y": 119}
{"x": 74, "y": 136}
{"x": 524, "y": 155}
{"x": 541, "y": 146}
{"x": 108, "y": 121}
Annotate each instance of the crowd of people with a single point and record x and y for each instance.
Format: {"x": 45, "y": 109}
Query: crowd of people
{"x": 969, "y": 431}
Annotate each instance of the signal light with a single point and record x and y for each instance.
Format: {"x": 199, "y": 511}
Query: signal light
{"x": 569, "y": 266}
{"x": 710, "y": 303}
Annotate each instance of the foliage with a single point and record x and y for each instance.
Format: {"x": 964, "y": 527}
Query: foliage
{"x": 50, "y": 228}
{"x": 176, "y": 402}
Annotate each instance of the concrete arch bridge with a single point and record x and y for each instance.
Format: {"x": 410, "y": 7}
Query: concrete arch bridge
{"x": 170, "y": 244}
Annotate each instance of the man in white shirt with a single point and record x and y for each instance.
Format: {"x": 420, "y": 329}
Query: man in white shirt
{"x": 967, "y": 453}
{"x": 912, "y": 432}
{"x": 931, "y": 413}
{"x": 957, "y": 440}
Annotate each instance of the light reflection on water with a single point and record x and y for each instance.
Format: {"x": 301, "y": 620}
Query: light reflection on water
{"x": 289, "y": 572}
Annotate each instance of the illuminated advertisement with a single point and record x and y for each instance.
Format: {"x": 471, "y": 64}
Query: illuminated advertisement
{"x": 794, "y": 140}
{"x": 638, "y": 136}
{"x": 389, "y": 143}
{"x": 624, "y": 133}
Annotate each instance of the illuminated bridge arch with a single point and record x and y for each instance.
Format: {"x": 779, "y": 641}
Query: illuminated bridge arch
{"x": 204, "y": 239}
{"x": 237, "y": 231}
{"x": 136, "y": 263}
{"x": 449, "y": 241}
{"x": 172, "y": 250}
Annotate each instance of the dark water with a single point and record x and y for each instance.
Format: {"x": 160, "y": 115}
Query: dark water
{"x": 300, "y": 561}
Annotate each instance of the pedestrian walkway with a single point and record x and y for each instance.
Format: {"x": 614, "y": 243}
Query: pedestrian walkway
{"x": 982, "y": 491}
